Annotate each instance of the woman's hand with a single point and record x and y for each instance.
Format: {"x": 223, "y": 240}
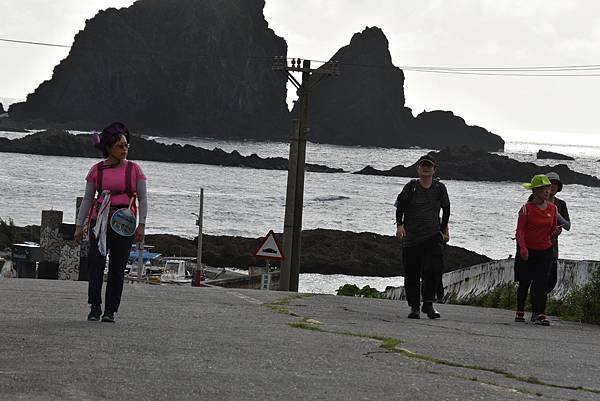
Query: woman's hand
{"x": 524, "y": 253}
{"x": 78, "y": 236}
{"x": 139, "y": 232}
{"x": 400, "y": 232}
{"x": 557, "y": 230}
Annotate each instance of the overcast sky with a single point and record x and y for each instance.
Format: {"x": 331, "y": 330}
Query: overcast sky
{"x": 457, "y": 33}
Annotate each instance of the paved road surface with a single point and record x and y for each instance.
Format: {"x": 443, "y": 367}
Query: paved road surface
{"x": 184, "y": 343}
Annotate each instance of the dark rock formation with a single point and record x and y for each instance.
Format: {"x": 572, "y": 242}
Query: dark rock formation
{"x": 2, "y": 111}
{"x": 61, "y": 143}
{"x": 439, "y": 129}
{"x": 323, "y": 251}
{"x": 184, "y": 66}
{"x": 365, "y": 105}
{"x": 542, "y": 154}
{"x": 468, "y": 165}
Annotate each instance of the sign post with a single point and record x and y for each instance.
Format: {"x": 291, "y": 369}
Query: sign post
{"x": 269, "y": 249}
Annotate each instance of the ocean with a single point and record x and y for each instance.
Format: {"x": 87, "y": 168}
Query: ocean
{"x": 250, "y": 202}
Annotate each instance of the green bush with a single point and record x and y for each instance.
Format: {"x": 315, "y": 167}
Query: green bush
{"x": 583, "y": 303}
{"x": 352, "y": 290}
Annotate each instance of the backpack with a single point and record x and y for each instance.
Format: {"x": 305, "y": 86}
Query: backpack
{"x": 411, "y": 187}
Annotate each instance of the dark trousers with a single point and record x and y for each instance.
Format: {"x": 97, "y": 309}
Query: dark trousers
{"x": 422, "y": 270}
{"x": 552, "y": 275}
{"x": 538, "y": 267}
{"x": 118, "y": 248}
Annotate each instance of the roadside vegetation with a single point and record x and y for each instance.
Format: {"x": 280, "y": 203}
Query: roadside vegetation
{"x": 352, "y": 290}
{"x": 581, "y": 305}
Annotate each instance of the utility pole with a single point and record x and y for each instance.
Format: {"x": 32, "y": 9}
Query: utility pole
{"x": 292, "y": 227}
{"x": 198, "y": 272}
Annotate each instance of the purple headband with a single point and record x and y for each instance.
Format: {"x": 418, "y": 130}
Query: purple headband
{"x": 115, "y": 129}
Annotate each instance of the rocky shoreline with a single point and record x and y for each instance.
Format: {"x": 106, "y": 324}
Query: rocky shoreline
{"x": 476, "y": 165}
{"x": 62, "y": 143}
{"x": 323, "y": 251}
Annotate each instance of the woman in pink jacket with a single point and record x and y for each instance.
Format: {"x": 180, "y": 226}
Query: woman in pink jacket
{"x": 117, "y": 182}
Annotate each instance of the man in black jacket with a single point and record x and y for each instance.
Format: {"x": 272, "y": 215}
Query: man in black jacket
{"x": 422, "y": 235}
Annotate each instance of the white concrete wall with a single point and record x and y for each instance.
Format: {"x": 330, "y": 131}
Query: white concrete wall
{"x": 482, "y": 278}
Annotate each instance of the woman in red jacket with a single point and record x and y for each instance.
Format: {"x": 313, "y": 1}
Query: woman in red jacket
{"x": 536, "y": 224}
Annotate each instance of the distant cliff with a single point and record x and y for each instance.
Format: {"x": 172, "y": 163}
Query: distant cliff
{"x": 203, "y": 68}
{"x": 171, "y": 67}
{"x": 365, "y": 105}
{"x": 462, "y": 163}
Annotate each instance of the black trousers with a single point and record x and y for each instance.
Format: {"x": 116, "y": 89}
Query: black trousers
{"x": 538, "y": 268}
{"x": 118, "y": 248}
{"x": 422, "y": 270}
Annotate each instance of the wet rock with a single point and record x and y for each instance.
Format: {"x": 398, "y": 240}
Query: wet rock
{"x": 463, "y": 163}
{"x": 543, "y": 154}
{"x": 323, "y": 251}
{"x": 61, "y": 143}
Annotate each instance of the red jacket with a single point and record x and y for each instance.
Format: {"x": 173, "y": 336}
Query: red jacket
{"x": 535, "y": 226}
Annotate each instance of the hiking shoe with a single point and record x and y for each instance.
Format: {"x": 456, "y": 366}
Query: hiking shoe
{"x": 430, "y": 310}
{"x": 542, "y": 320}
{"x": 94, "y": 315}
{"x": 520, "y": 316}
{"x": 534, "y": 316}
{"x": 414, "y": 313}
{"x": 108, "y": 317}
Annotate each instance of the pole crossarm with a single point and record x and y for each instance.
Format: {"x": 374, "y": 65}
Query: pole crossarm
{"x": 280, "y": 63}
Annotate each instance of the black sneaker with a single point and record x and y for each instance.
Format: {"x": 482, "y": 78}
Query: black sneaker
{"x": 414, "y": 313}
{"x": 542, "y": 320}
{"x": 430, "y": 310}
{"x": 95, "y": 312}
{"x": 108, "y": 317}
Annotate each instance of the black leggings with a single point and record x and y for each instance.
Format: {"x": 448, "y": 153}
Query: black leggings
{"x": 538, "y": 266}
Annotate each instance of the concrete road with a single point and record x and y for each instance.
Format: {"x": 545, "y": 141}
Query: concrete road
{"x": 184, "y": 343}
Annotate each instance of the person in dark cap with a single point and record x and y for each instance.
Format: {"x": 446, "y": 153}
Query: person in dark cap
{"x": 563, "y": 220}
{"x": 422, "y": 234}
{"x": 118, "y": 182}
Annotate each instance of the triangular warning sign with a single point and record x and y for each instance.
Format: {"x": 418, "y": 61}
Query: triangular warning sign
{"x": 269, "y": 248}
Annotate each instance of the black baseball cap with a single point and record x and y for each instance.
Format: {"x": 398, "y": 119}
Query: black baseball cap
{"x": 427, "y": 159}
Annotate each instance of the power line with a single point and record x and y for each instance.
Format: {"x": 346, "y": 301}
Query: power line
{"x": 33, "y": 43}
{"x": 576, "y": 70}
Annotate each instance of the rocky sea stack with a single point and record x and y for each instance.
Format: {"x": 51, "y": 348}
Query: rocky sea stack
{"x": 204, "y": 68}
{"x": 171, "y": 67}
{"x": 365, "y": 105}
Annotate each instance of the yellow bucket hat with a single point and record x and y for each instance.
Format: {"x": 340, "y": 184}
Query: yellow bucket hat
{"x": 537, "y": 181}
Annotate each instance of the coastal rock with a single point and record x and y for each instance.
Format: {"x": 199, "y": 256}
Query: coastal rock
{"x": 462, "y": 163}
{"x": 2, "y": 111}
{"x": 543, "y": 154}
{"x": 439, "y": 129}
{"x": 365, "y": 105}
{"x": 61, "y": 143}
{"x": 323, "y": 251}
{"x": 176, "y": 67}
